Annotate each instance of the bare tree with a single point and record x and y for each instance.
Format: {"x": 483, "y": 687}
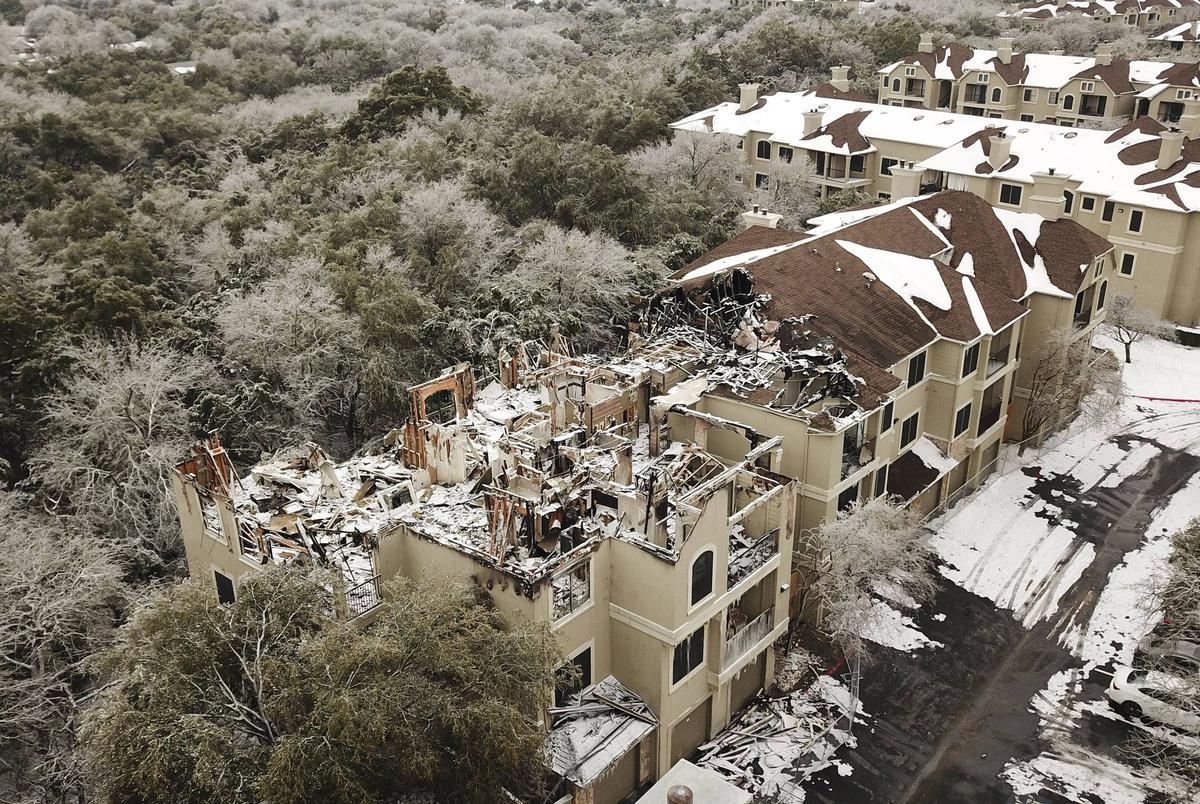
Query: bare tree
{"x": 1070, "y": 377}
{"x": 791, "y": 191}
{"x": 60, "y": 599}
{"x": 1128, "y": 324}
{"x": 113, "y": 432}
{"x": 872, "y": 545}
{"x": 705, "y": 162}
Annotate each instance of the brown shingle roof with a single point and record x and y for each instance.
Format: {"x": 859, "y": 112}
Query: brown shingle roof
{"x": 1115, "y": 75}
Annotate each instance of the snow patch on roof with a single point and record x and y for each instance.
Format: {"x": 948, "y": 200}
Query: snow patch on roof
{"x": 1037, "y": 279}
{"x": 735, "y": 261}
{"x": 977, "y": 311}
{"x": 910, "y": 278}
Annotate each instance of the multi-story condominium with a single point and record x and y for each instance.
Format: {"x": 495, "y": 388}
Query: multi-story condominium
{"x": 647, "y": 505}
{"x": 1135, "y": 187}
{"x": 1130, "y": 13}
{"x": 1100, "y": 91}
{"x": 1184, "y": 36}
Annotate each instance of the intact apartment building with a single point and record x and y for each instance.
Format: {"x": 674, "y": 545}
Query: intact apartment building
{"x": 1137, "y": 187}
{"x": 654, "y": 507}
{"x": 1097, "y": 91}
{"x": 1129, "y": 13}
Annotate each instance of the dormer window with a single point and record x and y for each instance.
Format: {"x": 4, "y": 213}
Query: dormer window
{"x": 1087, "y": 86}
{"x": 1183, "y": 94}
{"x": 981, "y": 77}
{"x": 910, "y": 71}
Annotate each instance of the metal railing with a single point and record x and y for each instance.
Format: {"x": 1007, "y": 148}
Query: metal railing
{"x": 754, "y": 632}
{"x": 362, "y": 597}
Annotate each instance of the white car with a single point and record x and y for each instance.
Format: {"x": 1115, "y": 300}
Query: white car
{"x": 1157, "y": 696}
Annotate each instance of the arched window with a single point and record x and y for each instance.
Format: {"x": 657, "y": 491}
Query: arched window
{"x": 996, "y": 95}
{"x": 764, "y": 149}
{"x": 702, "y": 576}
{"x": 1068, "y": 103}
{"x": 1100, "y": 296}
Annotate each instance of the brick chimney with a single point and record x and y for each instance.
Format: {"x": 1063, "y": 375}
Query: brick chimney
{"x": 841, "y": 79}
{"x": 926, "y": 44}
{"x": 999, "y": 150}
{"x": 812, "y": 120}
{"x": 1104, "y": 55}
{"x": 1190, "y": 120}
{"x": 1047, "y": 197}
{"x": 1004, "y": 50}
{"x": 758, "y": 216}
{"x": 1170, "y": 148}
{"x": 906, "y": 180}
{"x": 749, "y": 97}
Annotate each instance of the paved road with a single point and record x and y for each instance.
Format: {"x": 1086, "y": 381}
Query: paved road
{"x": 945, "y": 722}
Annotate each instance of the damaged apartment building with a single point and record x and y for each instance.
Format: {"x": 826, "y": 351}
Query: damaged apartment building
{"x": 654, "y": 506}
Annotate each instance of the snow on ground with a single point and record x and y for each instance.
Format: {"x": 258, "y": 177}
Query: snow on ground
{"x": 1159, "y": 368}
{"x": 890, "y": 628}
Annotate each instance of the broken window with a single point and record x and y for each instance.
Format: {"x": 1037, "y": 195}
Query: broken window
{"x": 702, "y": 576}
{"x": 689, "y": 654}
{"x": 572, "y": 589}
{"x": 225, "y": 593}
{"x": 574, "y": 676}
{"x": 847, "y": 497}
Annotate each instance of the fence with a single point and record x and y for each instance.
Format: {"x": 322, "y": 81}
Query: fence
{"x": 362, "y": 597}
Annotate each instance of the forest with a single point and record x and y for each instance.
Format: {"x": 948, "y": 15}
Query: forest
{"x": 270, "y": 218}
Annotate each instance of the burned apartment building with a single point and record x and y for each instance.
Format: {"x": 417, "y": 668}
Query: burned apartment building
{"x": 655, "y": 506}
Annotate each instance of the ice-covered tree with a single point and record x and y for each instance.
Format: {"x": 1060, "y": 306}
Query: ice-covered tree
{"x": 871, "y": 547}
{"x": 1070, "y": 377}
{"x": 1127, "y": 323}
{"x": 269, "y": 698}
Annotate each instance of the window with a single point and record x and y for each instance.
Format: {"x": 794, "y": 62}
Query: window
{"x": 995, "y": 115}
{"x": 1099, "y": 267}
{"x": 847, "y": 497}
{"x": 764, "y": 149}
{"x": 981, "y": 77}
{"x": 1026, "y": 118}
{"x": 962, "y": 420}
{"x": 1052, "y": 99}
{"x": 1092, "y": 105}
{"x": 908, "y": 430}
{"x": 996, "y": 92}
{"x": 1106, "y": 214}
{"x": 572, "y": 589}
{"x": 885, "y": 165}
{"x": 916, "y": 369}
{"x": 761, "y": 181}
{"x": 1087, "y": 86}
{"x": 895, "y": 85}
{"x": 1135, "y": 220}
{"x": 702, "y": 576}
{"x": 1010, "y": 194}
{"x": 225, "y": 594}
{"x": 1183, "y": 94}
{"x": 1030, "y": 96}
{"x": 1068, "y": 103}
{"x": 1102, "y": 295}
{"x": 910, "y": 70}
{"x": 570, "y": 682}
{"x": 1068, "y": 201}
{"x": 1127, "y": 261}
{"x": 1088, "y": 203}
{"x": 881, "y": 481}
{"x": 689, "y": 654}
{"x": 885, "y": 423}
{"x": 970, "y": 361}
{"x": 1080, "y": 306}
{"x": 785, "y": 153}
{"x": 884, "y": 196}
{"x": 741, "y": 144}
{"x": 858, "y": 163}
{"x": 819, "y": 163}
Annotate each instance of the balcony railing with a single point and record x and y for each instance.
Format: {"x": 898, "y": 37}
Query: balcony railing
{"x": 754, "y": 632}
{"x": 362, "y": 597}
{"x": 987, "y": 418}
{"x": 997, "y": 359}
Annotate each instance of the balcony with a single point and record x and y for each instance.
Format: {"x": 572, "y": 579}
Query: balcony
{"x": 987, "y": 419}
{"x": 998, "y": 358}
{"x": 746, "y": 554}
{"x": 362, "y": 597}
{"x": 753, "y": 632}
{"x": 1092, "y": 105}
{"x": 914, "y": 88}
{"x": 857, "y": 452}
{"x": 976, "y": 93}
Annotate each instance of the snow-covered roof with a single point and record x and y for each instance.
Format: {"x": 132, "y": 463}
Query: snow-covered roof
{"x": 1120, "y": 165}
{"x": 1052, "y": 9}
{"x": 1185, "y": 32}
{"x": 595, "y": 730}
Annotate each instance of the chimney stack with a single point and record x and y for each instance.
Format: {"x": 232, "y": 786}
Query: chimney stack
{"x": 812, "y": 121}
{"x": 679, "y": 794}
{"x": 758, "y": 216}
{"x": 749, "y": 97}
{"x": 1195, "y": 28}
{"x": 906, "y": 180}
{"x": 999, "y": 150}
{"x": 1005, "y": 52}
{"x": 926, "y": 44}
{"x": 1104, "y": 55}
{"x": 1048, "y": 197}
{"x": 841, "y": 79}
{"x": 1190, "y": 120}
{"x": 1170, "y": 148}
